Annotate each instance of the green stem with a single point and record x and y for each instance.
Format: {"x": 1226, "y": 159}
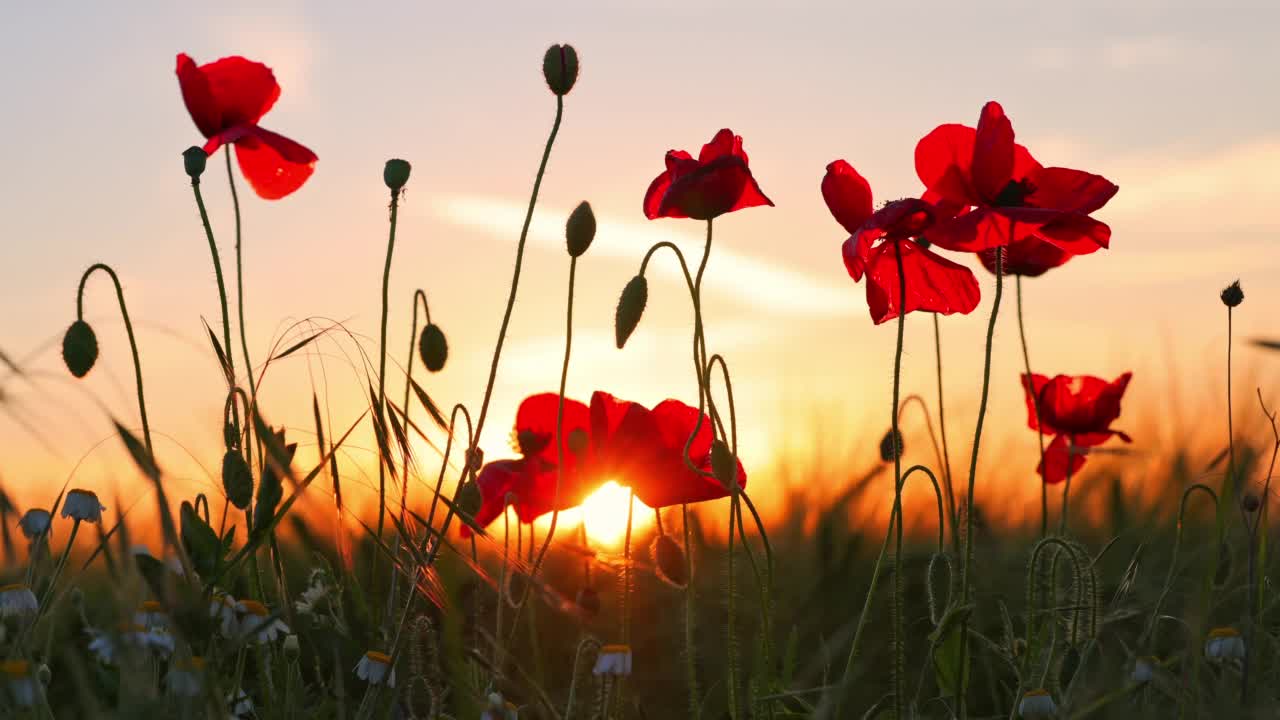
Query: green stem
{"x": 564, "y": 377}
{"x": 690, "y": 648}
{"x": 382, "y": 360}
{"x": 942, "y": 430}
{"x": 133, "y": 344}
{"x": 1066, "y": 486}
{"x": 1026, "y": 362}
{"x": 244, "y": 339}
{"x": 732, "y": 650}
{"x": 898, "y": 630}
{"x": 222, "y": 290}
{"x": 966, "y": 573}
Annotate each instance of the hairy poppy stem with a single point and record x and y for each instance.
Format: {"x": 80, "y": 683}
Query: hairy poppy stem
{"x": 690, "y": 647}
{"x": 1026, "y": 363}
{"x": 133, "y": 343}
{"x": 1066, "y": 486}
{"x": 382, "y": 366}
{"x": 966, "y": 573}
{"x": 942, "y": 430}
{"x": 1228, "y": 483}
{"x": 408, "y": 382}
{"x": 222, "y": 293}
{"x": 897, "y": 629}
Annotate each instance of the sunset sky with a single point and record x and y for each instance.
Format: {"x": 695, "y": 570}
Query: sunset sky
{"x": 1173, "y": 101}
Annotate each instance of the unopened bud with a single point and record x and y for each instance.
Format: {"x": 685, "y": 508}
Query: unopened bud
{"x": 580, "y": 229}
{"x": 669, "y": 560}
{"x": 891, "y": 445}
{"x": 237, "y": 479}
{"x": 395, "y": 173}
{"x": 1250, "y": 503}
{"x": 1232, "y": 295}
{"x": 80, "y": 348}
{"x": 630, "y": 307}
{"x": 475, "y": 459}
{"x": 560, "y": 68}
{"x": 194, "y": 160}
{"x": 433, "y": 348}
{"x": 469, "y": 499}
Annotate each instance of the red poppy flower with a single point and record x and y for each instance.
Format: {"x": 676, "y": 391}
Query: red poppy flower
{"x": 1031, "y": 257}
{"x": 1078, "y": 411}
{"x": 718, "y": 182}
{"x": 226, "y": 99}
{"x": 644, "y": 449}
{"x": 934, "y": 284}
{"x": 531, "y": 479}
{"x": 1013, "y": 196}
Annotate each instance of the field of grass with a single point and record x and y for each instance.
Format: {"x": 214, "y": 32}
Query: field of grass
{"x": 1149, "y": 601}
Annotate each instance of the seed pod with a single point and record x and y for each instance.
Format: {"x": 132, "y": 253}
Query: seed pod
{"x": 560, "y": 68}
{"x": 580, "y": 229}
{"x": 469, "y": 499}
{"x": 668, "y": 559}
{"x": 475, "y": 459}
{"x": 889, "y": 449}
{"x": 395, "y": 173}
{"x": 723, "y": 464}
{"x": 630, "y": 307}
{"x": 237, "y": 480}
{"x": 194, "y": 160}
{"x": 1232, "y": 295}
{"x": 80, "y": 348}
{"x": 433, "y": 348}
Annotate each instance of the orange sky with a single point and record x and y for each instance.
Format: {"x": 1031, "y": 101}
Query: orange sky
{"x": 1162, "y": 98}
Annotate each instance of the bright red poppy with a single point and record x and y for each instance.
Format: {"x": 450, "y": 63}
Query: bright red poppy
{"x": 1031, "y": 257}
{"x": 718, "y": 182}
{"x": 934, "y": 284}
{"x": 1078, "y": 411}
{"x": 644, "y": 449}
{"x": 226, "y": 99}
{"x": 531, "y": 479}
{"x": 1013, "y": 197}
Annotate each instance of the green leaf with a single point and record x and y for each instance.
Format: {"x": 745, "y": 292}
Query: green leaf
{"x": 948, "y": 664}
{"x": 201, "y": 542}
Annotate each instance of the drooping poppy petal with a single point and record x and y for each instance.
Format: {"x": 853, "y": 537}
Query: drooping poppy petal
{"x": 274, "y": 165}
{"x": 719, "y": 182}
{"x": 671, "y": 481}
{"x": 495, "y": 480}
{"x": 1033, "y": 387}
{"x": 1053, "y": 469}
{"x": 934, "y": 284}
{"x": 198, "y": 97}
{"x": 725, "y": 143}
{"x": 985, "y": 228}
{"x": 1031, "y": 257}
{"x": 1076, "y": 234}
{"x": 1070, "y": 190}
{"x": 848, "y": 196}
{"x": 856, "y": 252}
{"x": 992, "y": 166}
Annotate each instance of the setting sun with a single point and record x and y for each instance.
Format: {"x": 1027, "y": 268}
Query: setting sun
{"x": 605, "y": 511}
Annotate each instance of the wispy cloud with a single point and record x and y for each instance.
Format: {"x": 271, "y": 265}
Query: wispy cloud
{"x": 1142, "y": 51}
{"x": 758, "y": 283}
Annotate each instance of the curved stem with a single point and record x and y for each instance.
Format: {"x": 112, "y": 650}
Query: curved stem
{"x": 408, "y": 382}
{"x": 1026, "y": 362}
{"x": 515, "y": 278}
{"x": 1150, "y": 634}
{"x": 966, "y": 573}
{"x": 222, "y": 290}
{"x": 133, "y": 344}
{"x": 898, "y": 630}
{"x": 942, "y": 430}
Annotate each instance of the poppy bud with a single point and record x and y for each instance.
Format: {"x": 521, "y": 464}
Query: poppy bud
{"x": 395, "y": 173}
{"x": 237, "y": 480}
{"x": 1250, "y": 503}
{"x": 668, "y": 559}
{"x": 194, "y": 159}
{"x": 723, "y": 464}
{"x": 889, "y": 449}
{"x": 469, "y": 499}
{"x": 1232, "y": 295}
{"x": 630, "y": 307}
{"x": 475, "y": 459}
{"x": 588, "y": 601}
{"x": 80, "y": 348}
{"x": 560, "y": 68}
{"x": 580, "y": 230}
{"x": 433, "y": 348}
{"x": 229, "y": 435}
{"x": 577, "y": 441}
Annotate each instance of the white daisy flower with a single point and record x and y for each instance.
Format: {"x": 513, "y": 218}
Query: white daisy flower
{"x": 239, "y": 704}
{"x": 306, "y": 602}
{"x": 1224, "y": 645}
{"x": 375, "y": 667}
{"x": 82, "y": 505}
{"x": 186, "y": 677}
{"x": 1144, "y": 668}
{"x": 1037, "y": 705}
{"x": 151, "y": 614}
{"x": 35, "y": 523}
{"x": 257, "y": 622}
{"x": 21, "y": 682}
{"x": 223, "y": 607}
{"x": 107, "y": 647}
{"x": 499, "y": 709}
{"x": 17, "y": 600}
{"x": 613, "y": 660}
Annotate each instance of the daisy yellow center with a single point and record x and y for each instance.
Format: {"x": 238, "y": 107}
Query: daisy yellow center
{"x": 15, "y": 668}
{"x": 152, "y": 606}
{"x": 1224, "y": 632}
{"x": 131, "y": 628}
{"x": 12, "y": 588}
{"x": 378, "y": 657}
{"x": 195, "y": 663}
{"x": 1038, "y": 692}
{"x": 253, "y": 607}
{"x": 612, "y": 649}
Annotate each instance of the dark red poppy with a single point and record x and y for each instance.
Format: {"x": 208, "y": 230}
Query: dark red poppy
{"x": 644, "y": 449}
{"x": 531, "y": 479}
{"x": 1078, "y": 411}
{"x": 1013, "y": 197}
{"x": 718, "y": 182}
{"x": 1031, "y": 257}
{"x": 226, "y": 99}
{"x": 934, "y": 284}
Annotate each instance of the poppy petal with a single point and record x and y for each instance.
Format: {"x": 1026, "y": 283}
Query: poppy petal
{"x": 1070, "y": 190}
{"x": 274, "y": 165}
{"x": 943, "y": 161}
{"x": 992, "y": 152}
{"x": 1053, "y": 469}
{"x": 198, "y": 97}
{"x": 985, "y": 228}
{"x": 1031, "y": 257}
{"x": 653, "y": 196}
{"x": 495, "y": 480}
{"x": 724, "y": 143}
{"x": 721, "y": 186}
{"x": 1032, "y": 388}
{"x": 933, "y": 283}
{"x": 847, "y": 194}
{"x": 1076, "y": 234}
{"x": 856, "y": 251}
{"x": 243, "y": 90}
{"x": 535, "y": 428}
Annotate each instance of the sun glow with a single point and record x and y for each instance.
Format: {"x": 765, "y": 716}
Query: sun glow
{"x": 605, "y": 513}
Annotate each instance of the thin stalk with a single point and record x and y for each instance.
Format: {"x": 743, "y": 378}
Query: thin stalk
{"x": 222, "y": 289}
{"x": 244, "y": 338}
{"x": 942, "y": 430}
{"x": 564, "y": 377}
{"x": 382, "y": 362}
{"x": 898, "y": 630}
{"x": 732, "y": 650}
{"x": 966, "y": 573}
{"x": 133, "y": 344}
{"x": 690, "y": 648}
{"x": 1026, "y": 362}
{"x": 1066, "y": 486}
